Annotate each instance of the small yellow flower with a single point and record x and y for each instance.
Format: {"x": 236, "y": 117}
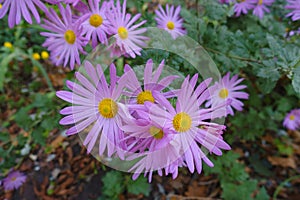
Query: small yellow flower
{"x": 45, "y": 55}
{"x": 8, "y": 45}
{"x": 36, "y": 56}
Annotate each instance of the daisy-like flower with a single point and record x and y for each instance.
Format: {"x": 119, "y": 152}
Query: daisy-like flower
{"x": 21, "y": 9}
{"x": 295, "y": 6}
{"x": 96, "y": 26}
{"x": 96, "y": 102}
{"x": 170, "y": 20}
{"x": 14, "y": 180}
{"x": 129, "y": 40}
{"x": 186, "y": 122}
{"x": 243, "y": 6}
{"x": 261, "y": 7}
{"x": 226, "y": 89}
{"x": 138, "y": 93}
{"x": 65, "y": 40}
{"x": 292, "y": 120}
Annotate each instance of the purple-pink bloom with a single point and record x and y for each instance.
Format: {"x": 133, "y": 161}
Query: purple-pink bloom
{"x": 95, "y": 27}
{"x": 292, "y": 120}
{"x": 261, "y": 7}
{"x": 243, "y": 6}
{"x": 21, "y": 9}
{"x": 295, "y": 6}
{"x": 190, "y": 128}
{"x": 170, "y": 20}
{"x": 14, "y": 180}
{"x": 128, "y": 39}
{"x": 226, "y": 89}
{"x": 65, "y": 40}
{"x": 95, "y": 104}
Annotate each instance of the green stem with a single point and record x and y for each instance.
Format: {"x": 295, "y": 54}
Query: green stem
{"x": 282, "y": 185}
{"x": 232, "y": 56}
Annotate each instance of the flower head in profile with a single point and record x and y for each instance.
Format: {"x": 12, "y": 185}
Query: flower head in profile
{"x": 128, "y": 38}
{"x": 95, "y": 27}
{"x": 170, "y": 20}
{"x": 65, "y": 40}
{"x": 19, "y": 9}
{"x": 243, "y": 6}
{"x": 261, "y": 7}
{"x": 226, "y": 89}
{"x": 292, "y": 120}
{"x": 14, "y": 180}
{"x": 186, "y": 123}
{"x": 293, "y": 5}
{"x": 95, "y": 104}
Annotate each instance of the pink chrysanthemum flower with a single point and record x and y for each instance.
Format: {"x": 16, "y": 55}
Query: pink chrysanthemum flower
{"x": 170, "y": 20}
{"x": 226, "y": 89}
{"x": 186, "y": 122}
{"x": 261, "y": 7}
{"x": 139, "y": 93}
{"x": 129, "y": 40}
{"x": 14, "y": 180}
{"x": 96, "y": 26}
{"x": 292, "y": 120}
{"x": 95, "y": 101}
{"x": 243, "y": 6}
{"x": 295, "y": 6}
{"x": 21, "y": 8}
{"x": 65, "y": 40}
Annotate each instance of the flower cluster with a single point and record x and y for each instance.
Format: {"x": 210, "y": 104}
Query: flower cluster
{"x": 164, "y": 128}
{"x": 68, "y": 33}
{"x": 292, "y": 120}
{"x": 13, "y": 180}
{"x": 259, "y": 7}
{"x": 295, "y": 6}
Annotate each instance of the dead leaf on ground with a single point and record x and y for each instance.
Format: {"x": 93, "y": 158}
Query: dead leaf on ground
{"x": 195, "y": 190}
{"x": 283, "y": 162}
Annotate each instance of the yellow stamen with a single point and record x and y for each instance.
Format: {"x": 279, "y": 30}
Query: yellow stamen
{"x": 13, "y": 178}
{"x": 45, "y": 55}
{"x": 182, "y": 122}
{"x": 292, "y": 117}
{"x": 0, "y": 5}
{"x": 108, "y": 108}
{"x": 156, "y": 132}
{"x": 8, "y": 45}
{"x": 170, "y": 25}
{"x": 145, "y": 96}
{"x": 123, "y": 32}
{"x": 96, "y": 20}
{"x": 36, "y": 56}
{"x": 260, "y": 2}
{"x": 70, "y": 36}
{"x": 223, "y": 93}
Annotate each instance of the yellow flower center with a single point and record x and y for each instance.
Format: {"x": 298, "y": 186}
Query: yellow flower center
{"x": 70, "y": 36}
{"x": 13, "y": 178}
{"x": 182, "y": 122}
{"x": 145, "y": 96}
{"x": 0, "y": 5}
{"x": 96, "y": 20}
{"x": 170, "y": 25}
{"x": 36, "y": 56}
{"x": 223, "y": 93}
{"x": 8, "y": 45}
{"x": 45, "y": 55}
{"x": 292, "y": 117}
{"x": 156, "y": 132}
{"x": 123, "y": 32}
{"x": 260, "y": 2}
{"x": 108, "y": 108}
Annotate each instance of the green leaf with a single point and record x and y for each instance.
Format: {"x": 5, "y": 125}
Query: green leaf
{"x": 3, "y": 67}
{"x": 262, "y": 194}
{"x": 296, "y": 80}
{"x": 139, "y": 186}
{"x": 23, "y": 119}
{"x": 39, "y": 136}
{"x": 243, "y": 191}
{"x": 113, "y": 185}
